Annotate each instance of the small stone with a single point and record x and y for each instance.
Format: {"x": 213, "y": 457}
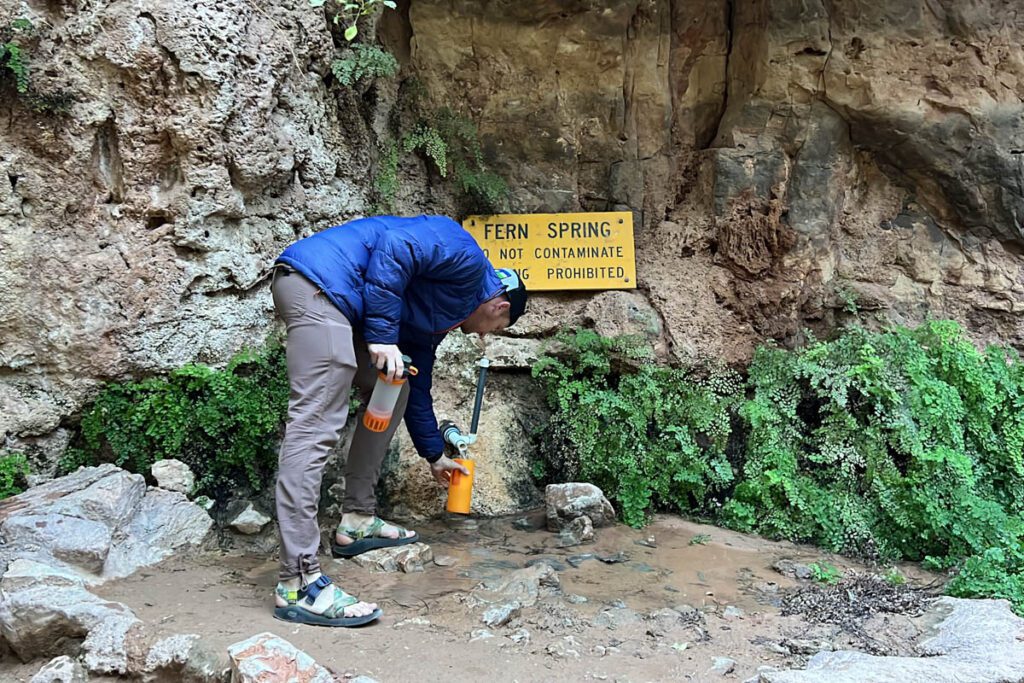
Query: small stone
{"x": 413, "y": 621}
{"x": 615, "y": 558}
{"x": 249, "y": 521}
{"x": 680, "y": 647}
{"x": 575, "y": 599}
{"x": 577, "y": 560}
{"x": 577, "y": 532}
{"x": 722, "y": 666}
{"x": 599, "y": 650}
{"x": 801, "y": 646}
{"x": 732, "y": 612}
{"x": 251, "y": 660}
{"x": 173, "y": 475}
{"x": 444, "y": 561}
{"x": 61, "y": 669}
{"x": 480, "y": 634}
{"x": 648, "y": 542}
{"x": 793, "y": 570}
{"x": 778, "y": 649}
{"x": 566, "y": 647}
{"x": 501, "y": 615}
{"x": 520, "y": 637}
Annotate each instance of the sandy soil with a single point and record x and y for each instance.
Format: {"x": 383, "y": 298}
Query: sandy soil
{"x": 427, "y": 629}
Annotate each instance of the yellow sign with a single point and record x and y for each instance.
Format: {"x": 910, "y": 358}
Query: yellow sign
{"x": 554, "y": 251}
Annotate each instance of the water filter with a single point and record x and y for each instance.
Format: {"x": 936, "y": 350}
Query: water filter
{"x": 384, "y": 397}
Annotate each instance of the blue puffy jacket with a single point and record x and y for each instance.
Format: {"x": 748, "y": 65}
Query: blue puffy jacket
{"x": 405, "y": 281}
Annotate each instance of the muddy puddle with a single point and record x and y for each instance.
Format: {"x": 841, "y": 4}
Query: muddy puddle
{"x": 663, "y": 603}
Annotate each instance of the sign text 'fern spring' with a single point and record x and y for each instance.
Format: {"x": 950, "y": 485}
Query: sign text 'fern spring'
{"x": 558, "y": 251}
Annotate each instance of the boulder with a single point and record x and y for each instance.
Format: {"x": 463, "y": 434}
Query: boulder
{"x": 249, "y": 521}
{"x": 52, "y": 614}
{"x": 981, "y": 641}
{"x": 173, "y": 475}
{"x": 99, "y": 523}
{"x": 266, "y": 658}
{"x": 566, "y": 502}
{"x": 61, "y": 669}
{"x": 184, "y": 659}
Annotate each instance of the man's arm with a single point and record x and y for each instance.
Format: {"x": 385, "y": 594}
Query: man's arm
{"x": 419, "y": 413}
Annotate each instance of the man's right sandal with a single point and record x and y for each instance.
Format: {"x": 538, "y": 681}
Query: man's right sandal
{"x": 296, "y": 611}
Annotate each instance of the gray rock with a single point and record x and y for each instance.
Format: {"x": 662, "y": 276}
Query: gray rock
{"x": 722, "y": 666}
{"x": 567, "y": 647}
{"x": 566, "y": 502}
{"x": 616, "y": 617}
{"x": 520, "y": 637}
{"x": 183, "y": 658}
{"x": 480, "y": 634}
{"x": 251, "y": 659}
{"x": 404, "y": 558}
{"x": 99, "y": 522}
{"x": 575, "y": 599}
{"x": 173, "y": 475}
{"x": 732, "y": 612}
{"x": 61, "y": 669}
{"x": 791, "y": 569}
{"x": 249, "y": 521}
{"x": 48, "y": 615}
{"x": 967, "y": 640}
{"x": 501, "y": 614}
{"x": 577, "y": 532}
{"x": 524, "y": 586}
{"x": 801, "y": 646}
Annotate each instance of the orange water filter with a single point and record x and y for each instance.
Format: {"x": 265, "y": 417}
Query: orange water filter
{"x": 383, "y": 399}
{"x": 460, "y": 488}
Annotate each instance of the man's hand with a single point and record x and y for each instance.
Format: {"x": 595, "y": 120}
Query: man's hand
{"x": 443, "y": 468}
{"x": 387, "y": 356}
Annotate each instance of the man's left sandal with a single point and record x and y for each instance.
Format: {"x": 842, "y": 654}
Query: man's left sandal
{"x": 297, "y": 612}
{"x": 370, "y": 539}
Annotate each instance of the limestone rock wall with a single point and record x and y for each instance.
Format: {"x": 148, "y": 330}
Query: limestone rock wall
{"x": 786, "y": 161}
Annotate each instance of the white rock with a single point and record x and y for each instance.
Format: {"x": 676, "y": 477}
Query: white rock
{"x": 98, "y": 522}
{"x": 61, "y": 669}
{"x": 173, "y": 475}
{"x": 972, "y": 640}
{"x": 501, "y": 615}
{"x": 404, "y": 558}
{"x": 249, "y": 521}
{"x": 183, "y": 658}
{"x": 45, "y": 618}
{"x": 566, "y": 502}
{"x": 267, "y": 658}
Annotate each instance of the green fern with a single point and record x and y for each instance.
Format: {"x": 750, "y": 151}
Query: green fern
{"x": 364, "y": 62}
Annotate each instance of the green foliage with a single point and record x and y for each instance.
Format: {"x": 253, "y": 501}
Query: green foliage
{"x": 14, "y": 60}
{"x": 364, "y": 62}
{"x": 894, "y": 577}
{"x": 385, "y": 182}
{"x": 224, "y": 424}
{"x": 351, "y": 11}
{"x": 427, "y": 139}
{"x": 995, "y": 573}
{"x": 667, "y": 447}
{"x": 823, "y": 572}
{"x": 12, "y": 56}
{"x": 13, "y": 470}
{"x": 901, "y": 444}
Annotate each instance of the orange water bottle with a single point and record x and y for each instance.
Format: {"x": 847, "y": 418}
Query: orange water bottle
{"x": 384, "y": 397}
{"x": 460, "y": 488}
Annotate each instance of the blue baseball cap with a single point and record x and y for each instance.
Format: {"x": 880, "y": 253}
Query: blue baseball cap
{"x": 515, "y": 290}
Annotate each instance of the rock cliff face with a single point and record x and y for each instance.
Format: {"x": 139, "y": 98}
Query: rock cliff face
{"x": 787, "y": 161}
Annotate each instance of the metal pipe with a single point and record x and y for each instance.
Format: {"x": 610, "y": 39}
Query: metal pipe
{"x": 480, "y": 381}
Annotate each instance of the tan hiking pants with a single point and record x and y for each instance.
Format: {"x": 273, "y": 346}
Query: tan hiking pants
{"x": 325, "y": 358}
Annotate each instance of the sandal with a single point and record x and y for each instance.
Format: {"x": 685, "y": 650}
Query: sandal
{"x": 298, "y": 603}
{"x": 370, "y": 539}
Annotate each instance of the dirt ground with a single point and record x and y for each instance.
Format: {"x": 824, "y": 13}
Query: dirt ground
{"x": 602, "y": 624}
